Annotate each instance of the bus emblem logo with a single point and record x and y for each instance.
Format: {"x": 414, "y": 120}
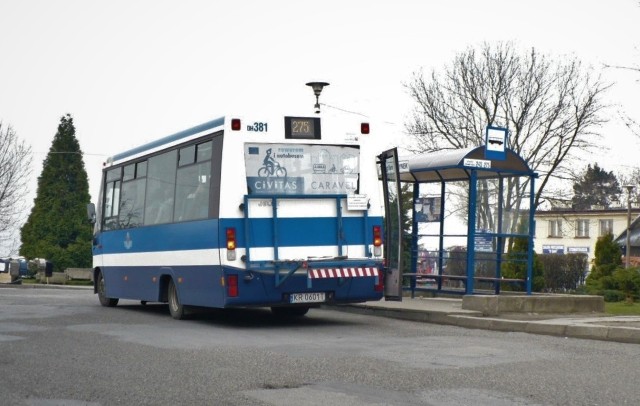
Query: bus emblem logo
{"x": 128, "y": 242}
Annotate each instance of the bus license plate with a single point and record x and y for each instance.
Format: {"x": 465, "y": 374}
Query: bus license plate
{"x": 315, "y": 297}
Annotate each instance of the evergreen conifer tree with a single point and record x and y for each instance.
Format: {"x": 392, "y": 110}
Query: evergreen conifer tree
{"x": 596, "y": 187}
{"x": 57, "y": 228}
{"x": 608, "y": 258}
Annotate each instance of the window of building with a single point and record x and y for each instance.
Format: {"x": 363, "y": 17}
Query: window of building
{"x": 555, "y": 228}
{"x": 582, "y": 228}
{"x": 606, "y": 227}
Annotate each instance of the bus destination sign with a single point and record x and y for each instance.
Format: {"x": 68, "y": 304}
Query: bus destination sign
{"x": 305, "y": 128}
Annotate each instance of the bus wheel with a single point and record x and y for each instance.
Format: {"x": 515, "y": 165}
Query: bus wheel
{"x": 289, "y": 311}
{"x": 143, "y": 302}
{"x": 102, "y": 296}
{"x": 176, "y": 309}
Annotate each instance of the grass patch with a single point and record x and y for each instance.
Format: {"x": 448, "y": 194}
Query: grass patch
{"x": 622, "y": 308}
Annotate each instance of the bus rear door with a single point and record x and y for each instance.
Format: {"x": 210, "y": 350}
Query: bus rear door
{"x": 393, "y": 224}
{"x": 297, "y": 210}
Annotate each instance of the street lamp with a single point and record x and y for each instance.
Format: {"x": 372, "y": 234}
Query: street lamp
{"x": 627, "y": 254}
{"x": 317, "y": 89}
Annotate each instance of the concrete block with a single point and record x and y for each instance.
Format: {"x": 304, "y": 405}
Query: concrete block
{"x": 57, "y": 278}
{"x": 79, "y": 274}
{"x": 486, "y": 304}
{"x": 5, "y": 277}
{"x": 493, "y": 305}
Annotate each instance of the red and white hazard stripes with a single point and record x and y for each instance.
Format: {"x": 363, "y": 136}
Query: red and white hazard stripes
{"x": 342, "y": 272}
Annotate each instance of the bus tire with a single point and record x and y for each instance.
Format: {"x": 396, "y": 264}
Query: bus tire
{"x": 102, "y": 296}
{"x": 176, "y": 308}
{"x": 289, "y": 311}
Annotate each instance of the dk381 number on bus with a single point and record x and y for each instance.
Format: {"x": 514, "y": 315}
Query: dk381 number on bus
{"x": 258, "y": 127}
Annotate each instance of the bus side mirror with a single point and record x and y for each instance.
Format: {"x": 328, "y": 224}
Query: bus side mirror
{"x": 91, "y": 213}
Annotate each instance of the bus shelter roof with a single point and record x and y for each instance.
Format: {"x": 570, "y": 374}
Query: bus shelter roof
{"x": 457, "y": 165}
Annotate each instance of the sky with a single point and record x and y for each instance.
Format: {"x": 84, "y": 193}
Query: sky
{"x": 131, "y": 71}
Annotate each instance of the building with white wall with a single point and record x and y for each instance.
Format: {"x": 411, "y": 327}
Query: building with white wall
{"x": 564, "y": 231}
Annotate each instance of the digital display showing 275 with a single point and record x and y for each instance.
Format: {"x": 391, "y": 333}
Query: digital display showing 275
{"x": 307, "y": 128}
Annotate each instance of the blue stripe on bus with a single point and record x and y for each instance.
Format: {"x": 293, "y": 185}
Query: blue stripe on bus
{"x": 304, "y": 232}
{"x": 171, "y": 138}
{"x": 191, "y": 235}
{"x": 205, "y": 234}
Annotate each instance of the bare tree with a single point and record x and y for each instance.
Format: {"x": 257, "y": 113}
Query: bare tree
{"x": 632, "y": 124}
{"x": 551, "y": 109}
{"x": 630, "y": 178}
{"x": 15, "y": 164}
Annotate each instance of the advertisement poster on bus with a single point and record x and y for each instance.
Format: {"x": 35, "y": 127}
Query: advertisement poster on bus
{"x": 299, "y": 169}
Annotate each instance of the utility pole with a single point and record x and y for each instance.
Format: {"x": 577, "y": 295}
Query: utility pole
{"x": 627, "y": 255}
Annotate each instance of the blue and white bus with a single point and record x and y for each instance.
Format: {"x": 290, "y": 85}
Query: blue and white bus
{"x": 242, "y": 211}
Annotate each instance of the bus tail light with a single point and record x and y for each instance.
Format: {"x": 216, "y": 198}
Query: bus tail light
{"x": 232, "y": 285}
{"x": 364, "y": 128}
{"x": 231, "y": 244}
{"x": 377, "y": 241}
{"x": 235, "y": 124}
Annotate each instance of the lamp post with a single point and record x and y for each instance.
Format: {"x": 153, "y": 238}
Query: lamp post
{"x": 627, "y": 254}
{"x": 317, "y": 89}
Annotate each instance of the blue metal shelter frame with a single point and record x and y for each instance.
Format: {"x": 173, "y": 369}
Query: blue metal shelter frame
{"x": 469, "y": 165}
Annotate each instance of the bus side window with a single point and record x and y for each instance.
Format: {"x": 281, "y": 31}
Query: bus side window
{"x": 161, "y": 172}
{"x": 132, "y": 203}
{"x": 159, "y": 209}
{"x": 112, "y": 200}
{"x": 192, "y": 192}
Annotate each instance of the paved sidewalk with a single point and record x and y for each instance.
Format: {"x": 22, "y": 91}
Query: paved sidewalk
{"x": 596, "y": 326}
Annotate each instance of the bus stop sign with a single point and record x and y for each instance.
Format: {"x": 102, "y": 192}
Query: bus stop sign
{"x": 495, "y": 143}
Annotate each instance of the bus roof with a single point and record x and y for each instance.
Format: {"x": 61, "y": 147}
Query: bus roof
{"x": 209, "y": 125}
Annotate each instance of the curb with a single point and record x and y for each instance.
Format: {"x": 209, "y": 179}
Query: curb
{"x": 42, "y": 286}
{"x": 576, "y": 329}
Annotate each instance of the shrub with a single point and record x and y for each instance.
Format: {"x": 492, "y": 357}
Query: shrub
{"x": 515, "y": 266}
{"x": 613, "y": 295}
{"x": 608, "y": 258}
{"x": 628, "y": 282}
{"x": 563, "y": 273}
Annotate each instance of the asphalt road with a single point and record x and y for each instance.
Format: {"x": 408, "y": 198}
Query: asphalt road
{"x": 59, "y": 347}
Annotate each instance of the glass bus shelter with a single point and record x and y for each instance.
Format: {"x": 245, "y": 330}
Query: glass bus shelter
{"x": 471, "y": 224}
